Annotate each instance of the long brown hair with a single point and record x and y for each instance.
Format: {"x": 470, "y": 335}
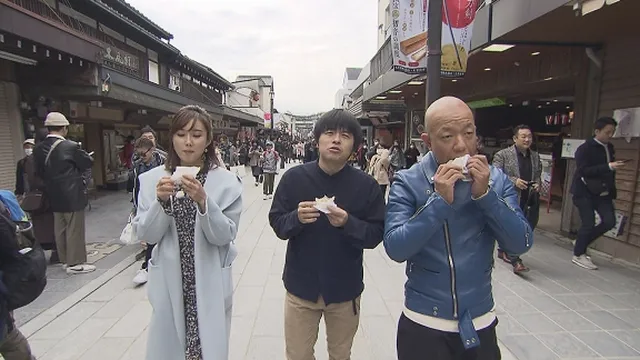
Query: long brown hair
{"x": 182, "y": 119}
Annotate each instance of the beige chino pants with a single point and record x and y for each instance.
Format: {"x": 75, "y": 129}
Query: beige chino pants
{"x": 70, "y": 238}
{"x": 302, "y": 320}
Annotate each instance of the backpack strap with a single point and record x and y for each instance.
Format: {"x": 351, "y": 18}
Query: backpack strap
{"x": 55, "y": 144}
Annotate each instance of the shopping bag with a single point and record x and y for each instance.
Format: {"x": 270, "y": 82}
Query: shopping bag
{"x": 128, "y": 235}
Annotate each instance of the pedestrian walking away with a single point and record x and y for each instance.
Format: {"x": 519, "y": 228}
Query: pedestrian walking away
{"x": 594, "y": 188}
{"x": 330, "y": 213}
{"x": 443, "y": 219}
{"x": 193, "y": 220}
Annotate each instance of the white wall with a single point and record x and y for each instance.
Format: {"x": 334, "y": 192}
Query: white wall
{"x": 384, "y": 20}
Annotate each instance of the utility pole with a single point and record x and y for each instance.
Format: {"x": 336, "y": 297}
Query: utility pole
{"x": 434, "y": 53}
{"x": 272, "y": 96}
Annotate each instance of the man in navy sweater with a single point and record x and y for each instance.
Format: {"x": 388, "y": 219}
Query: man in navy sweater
{"x": 323, "y": 270}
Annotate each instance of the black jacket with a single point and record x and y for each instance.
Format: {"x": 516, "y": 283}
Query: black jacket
{"x": 21, "y": 177}
{"x": 64, "y": 184}
{"x": 322, "y": 259}
{"x": 591, "y": 163}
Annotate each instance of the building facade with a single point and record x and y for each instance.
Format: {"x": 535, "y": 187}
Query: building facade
{"x": 555, "y": 65}
{"x": 349, "y": 82}
{"x": 109, "y": 68}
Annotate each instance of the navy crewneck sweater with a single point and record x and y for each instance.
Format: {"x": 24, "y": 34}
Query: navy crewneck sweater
{"x": 323, "y": 260}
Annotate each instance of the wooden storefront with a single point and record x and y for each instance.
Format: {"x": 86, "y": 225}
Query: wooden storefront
{"x": 620, "y": 89}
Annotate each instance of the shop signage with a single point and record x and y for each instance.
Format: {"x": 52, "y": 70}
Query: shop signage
{"x": 569, "y": 147}
{"x": 409, "y": 35}
{"x": 220, "y": 124}
{"x": 121, "y": 57}
{"x": 384, "y": 105}
{"x": 486, "y": 103}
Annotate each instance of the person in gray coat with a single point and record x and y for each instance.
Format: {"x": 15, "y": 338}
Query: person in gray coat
{"x": 193, "y": 222}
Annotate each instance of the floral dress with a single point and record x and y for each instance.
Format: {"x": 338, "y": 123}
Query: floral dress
{"x": 184, "y": 211}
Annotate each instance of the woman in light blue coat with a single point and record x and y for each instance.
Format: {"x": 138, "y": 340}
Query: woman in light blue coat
{"x": 194, "y": 221}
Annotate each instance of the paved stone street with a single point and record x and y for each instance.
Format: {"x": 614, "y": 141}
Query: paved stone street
{"x": 104, "y": 222}
{"x": 552, "y": 313}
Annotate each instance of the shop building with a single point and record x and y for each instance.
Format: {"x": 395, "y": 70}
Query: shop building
{"x": 106, "y": 66}
{"x": 554, "y": 65}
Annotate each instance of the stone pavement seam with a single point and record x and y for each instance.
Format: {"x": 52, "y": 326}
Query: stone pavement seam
{"x": 60, "y": 308}
{"x": 592, "y": 252}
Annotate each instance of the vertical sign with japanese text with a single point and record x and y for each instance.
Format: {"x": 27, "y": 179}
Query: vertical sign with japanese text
{"x": 409, "y": 35}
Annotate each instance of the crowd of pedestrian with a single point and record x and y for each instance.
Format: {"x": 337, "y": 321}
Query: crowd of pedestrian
{"x": 445, "y": 211}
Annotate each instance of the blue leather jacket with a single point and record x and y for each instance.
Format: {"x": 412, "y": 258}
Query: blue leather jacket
{"x": 449, "y": 248}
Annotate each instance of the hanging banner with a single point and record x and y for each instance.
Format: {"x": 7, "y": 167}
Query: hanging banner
{"x": 409, "y": 35}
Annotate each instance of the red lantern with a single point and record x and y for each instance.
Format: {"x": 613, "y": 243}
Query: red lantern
{"x": 461, "y": 12}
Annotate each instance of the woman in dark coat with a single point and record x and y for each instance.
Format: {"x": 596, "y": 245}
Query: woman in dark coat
{"x": 42, "y": 220}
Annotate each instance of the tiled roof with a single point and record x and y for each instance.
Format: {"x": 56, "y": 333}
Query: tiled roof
{"x": 109, "y": 9}
{"x": 162, "y": 32}
{"x": 207, "y": 70}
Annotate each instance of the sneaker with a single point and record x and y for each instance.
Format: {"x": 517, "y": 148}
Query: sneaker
{"x": 265, "y": 197}
{"x": 80, "y": 269}
{"x": 256, "y": 184}
{"x": 141, "y": 277}
{"x": 584, "y": 262}
{"x": 270, "y": 196}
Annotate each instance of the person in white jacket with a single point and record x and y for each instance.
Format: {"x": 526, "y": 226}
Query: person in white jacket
{"x": 194, "y": 221}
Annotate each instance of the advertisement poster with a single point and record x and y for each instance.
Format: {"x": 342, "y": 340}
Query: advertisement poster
{"x": 409, "y": 35}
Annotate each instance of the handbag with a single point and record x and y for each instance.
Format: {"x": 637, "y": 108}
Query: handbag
{"x": 128, "y": 235}
{"x": 32, "y": 201}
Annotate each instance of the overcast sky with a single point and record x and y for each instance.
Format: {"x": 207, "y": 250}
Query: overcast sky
{"x": 304, "y": 44}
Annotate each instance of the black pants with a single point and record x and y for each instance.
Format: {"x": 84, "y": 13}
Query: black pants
{"x": 267, "y": 187}
{"x": 524, "y": 202}
{"x": 416, "y": 342}
{"x": 147, "y": 256}
{"x": 588, "y": 232}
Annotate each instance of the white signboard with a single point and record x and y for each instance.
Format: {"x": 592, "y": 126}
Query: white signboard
{"x": 628, "y": 123}
{"x": 569, "y": 147}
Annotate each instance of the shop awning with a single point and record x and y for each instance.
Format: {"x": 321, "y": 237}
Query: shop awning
{"x": 241, "y": 116}
{"x": 140, "y": 92}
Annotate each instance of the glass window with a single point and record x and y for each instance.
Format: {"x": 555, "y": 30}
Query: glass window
{"x": 174, "y": 80}
{"x": 154, "y": 72}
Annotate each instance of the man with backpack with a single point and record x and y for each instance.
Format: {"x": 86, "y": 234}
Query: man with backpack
{"x": 13, "y": 344}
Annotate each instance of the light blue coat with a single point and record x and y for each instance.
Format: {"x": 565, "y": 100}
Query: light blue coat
{"x": 214, "y": 253}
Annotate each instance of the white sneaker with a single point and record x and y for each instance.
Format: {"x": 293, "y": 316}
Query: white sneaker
{"x": 584, "y": 262}
{"x": 265, "y": 197}
{"x": 270, "y": 196}
{"x": 80, "y": 269}
{"x": 141, "y": 277}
